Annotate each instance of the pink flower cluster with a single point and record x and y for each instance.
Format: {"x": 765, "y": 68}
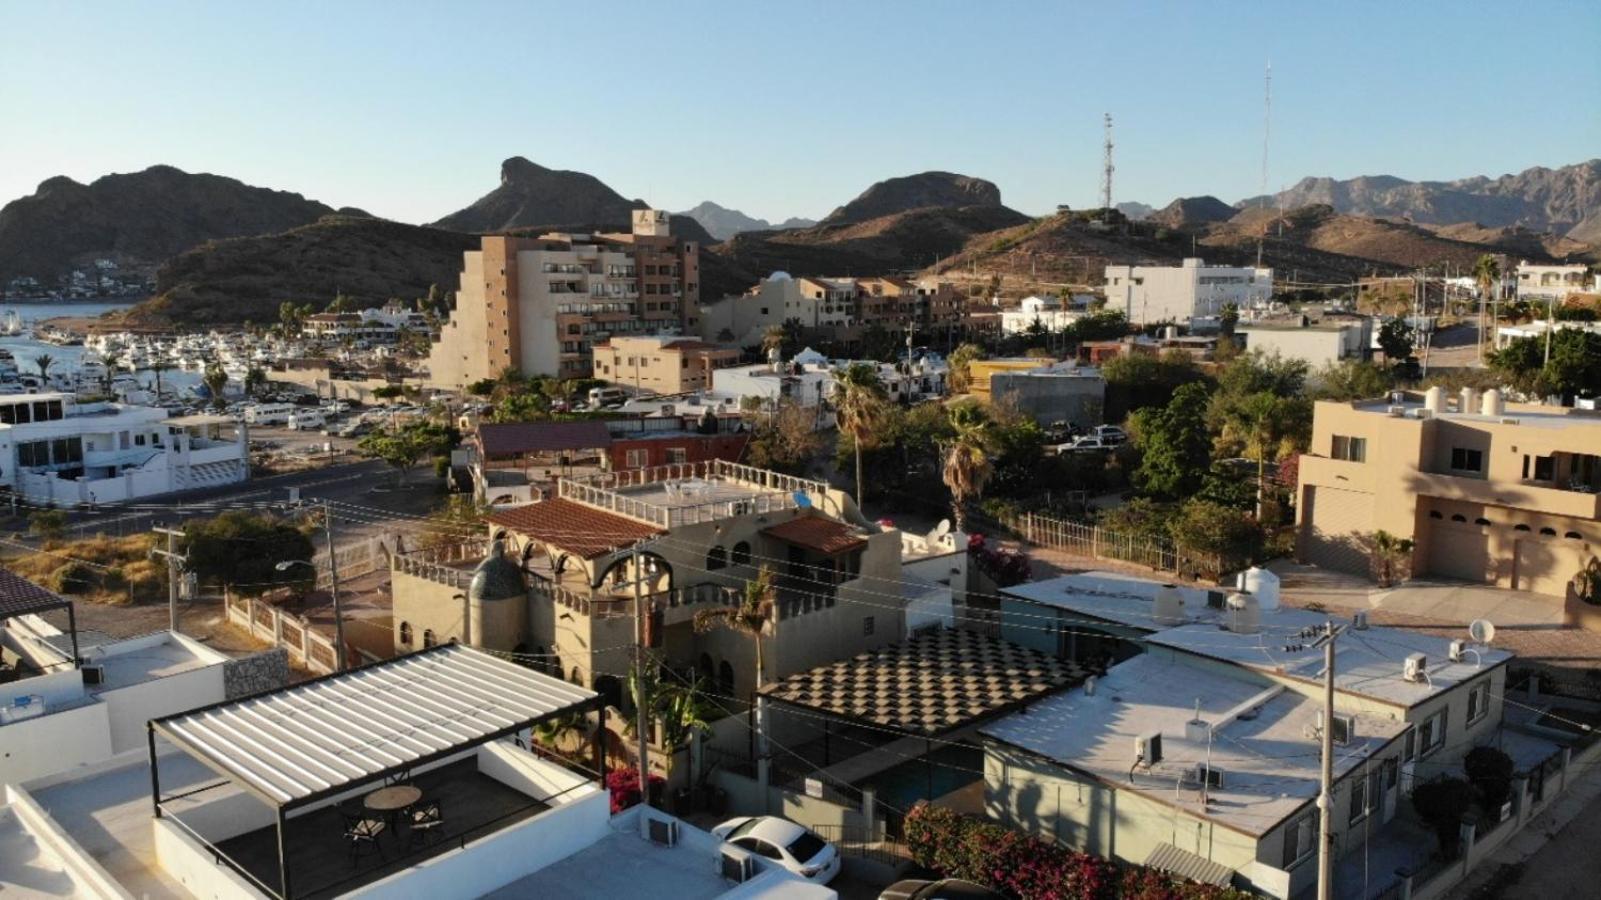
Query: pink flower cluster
{"x": 624, "y": 787}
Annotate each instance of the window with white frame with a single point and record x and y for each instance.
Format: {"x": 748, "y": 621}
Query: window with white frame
{"x": 1478, "y": 701}
{"x": 636, "y": 459}
{"x": 1300, "y": 839}
{"x": 1431, "y": 734}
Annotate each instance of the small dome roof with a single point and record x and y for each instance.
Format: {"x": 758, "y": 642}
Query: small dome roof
{"x": 779, "y": 275}
{"x": 496, "y": 578}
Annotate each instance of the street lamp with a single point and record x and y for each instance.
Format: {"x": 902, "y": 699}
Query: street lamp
{"x": 333, "y": 590}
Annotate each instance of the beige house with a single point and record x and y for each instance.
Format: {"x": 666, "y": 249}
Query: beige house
{"x": 837, "y": 306}
{"x": 562, "y": 587}
{"x": 540, "y": 304}
{"x": 1490, "y": 492}
{"x": 662, "y": 364}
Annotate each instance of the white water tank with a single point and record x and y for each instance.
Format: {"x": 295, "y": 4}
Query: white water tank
{"x": 1434, "y": 399}
{"x": 1465, "y": 400}
{"x": 1244, "y": 616}
{"x": 1492, "y": 405}
{"x": 1169, "y": 606}
{"x": 1261, "y": 584}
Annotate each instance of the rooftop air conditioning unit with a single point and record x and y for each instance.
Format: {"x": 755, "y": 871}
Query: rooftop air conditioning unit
{"x": 1359, "y": 620}
{"x": 1455, "y": 651}
{"x": 1397, "y": 411}
{"x": 1344, "y": 727}
{"x": 738, "y": 867}
{"x": 663, "y": 832}
{"x": 1422, "y": 413}
{"x": 93, "y": 675}
{"x": 1416, "y": 667}
{"x": 1216, "y": 600}
{"x": 1211, "y": 776}
{"x": 1148, "y": 748}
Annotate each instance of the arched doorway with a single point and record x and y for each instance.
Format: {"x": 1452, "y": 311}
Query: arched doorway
{"x": 725, "y": 680}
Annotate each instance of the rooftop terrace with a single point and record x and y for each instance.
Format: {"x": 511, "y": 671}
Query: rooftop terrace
{"x": 668, "y": 496}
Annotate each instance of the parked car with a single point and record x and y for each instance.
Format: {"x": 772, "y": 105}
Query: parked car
{"x": 942, "y": 889}
{"x": 1110, "y": 435}
{"x": 792, "y": 846}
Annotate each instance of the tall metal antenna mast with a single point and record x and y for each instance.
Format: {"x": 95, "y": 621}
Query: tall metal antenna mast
{"x": 1267, "y": 133}
{"x": 1106, "y": 168}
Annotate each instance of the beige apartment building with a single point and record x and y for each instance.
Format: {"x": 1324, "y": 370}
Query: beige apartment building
{"x": 540, "y": 304}
{"x": 1490, "y": 492}
{"x": 839, "y": 307}
{"x": 662, "y": 364}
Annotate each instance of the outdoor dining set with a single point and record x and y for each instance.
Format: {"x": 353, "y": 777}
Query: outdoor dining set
{"x": 384, "y": 811}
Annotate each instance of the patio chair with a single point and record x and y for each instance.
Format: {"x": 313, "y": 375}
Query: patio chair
{"x": 425, "y": 819}
{"x": 361, "y": 834}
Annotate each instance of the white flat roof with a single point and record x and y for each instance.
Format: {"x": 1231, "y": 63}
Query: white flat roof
{"x": 1261, "y": 739}
{"x": 296, "y": 743}
{"x": 1122, "y": 599}
{"x": 1366, "y": 663}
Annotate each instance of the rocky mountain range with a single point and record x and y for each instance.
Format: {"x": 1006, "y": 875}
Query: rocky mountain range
{"x": 1564, "y": 200}
{"x": 723, "y": 223}
{"x": 138, "y": 219}
{"x": 895, "y": 195}
{"x": 532, "y": 196}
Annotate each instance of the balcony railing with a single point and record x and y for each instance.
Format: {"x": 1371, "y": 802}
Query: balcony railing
{"x": 608, "y": 606}
{"x": 776, "y": 492}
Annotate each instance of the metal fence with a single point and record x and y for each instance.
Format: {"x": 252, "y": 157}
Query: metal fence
{"x": 855, "y": 841}
{"x": 1084, "y": 539}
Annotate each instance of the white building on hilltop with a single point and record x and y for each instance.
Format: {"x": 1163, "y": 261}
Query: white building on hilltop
{"x": 54, "y": 449}
{"x": 1179, "y": 293}
{"x": 1049, "y": 312}
{"x": 1541, "y": 282}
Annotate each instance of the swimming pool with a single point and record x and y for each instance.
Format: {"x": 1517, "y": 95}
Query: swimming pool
{"x": 948, "y": 768}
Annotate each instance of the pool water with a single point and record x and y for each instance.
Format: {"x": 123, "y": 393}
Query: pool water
{"x": 947, "y": 768}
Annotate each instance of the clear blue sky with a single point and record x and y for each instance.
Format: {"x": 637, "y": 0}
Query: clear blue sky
{"x": 406, "y": 109}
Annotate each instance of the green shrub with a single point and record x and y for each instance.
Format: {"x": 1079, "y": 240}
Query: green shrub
{"x": 1442, "y": 804}
{"x": 48, "y": 523}
{"x": 1490, "y": 772}
{"x": 73, "y": 578}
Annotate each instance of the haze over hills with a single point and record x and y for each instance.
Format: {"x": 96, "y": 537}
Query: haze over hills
{"x": 137, "y": 219}
{"x": 723, "y": 223}
{"x": 532, "y": 196}
{"x": 1565, "y": 200}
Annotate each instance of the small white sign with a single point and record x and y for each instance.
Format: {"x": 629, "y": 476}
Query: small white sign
{"x": 814, "y": 788}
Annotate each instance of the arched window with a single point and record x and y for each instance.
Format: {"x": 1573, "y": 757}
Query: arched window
{"x": 1549, "y": 532}
{"x": 405, "y": 634}
{"x": 1520, "y": 527}
{"x": 1435, "y": 514}
{"x": 706, "y": 670}
{"x": 577, "y": 677}
{"x": 1481, "y": 521}
{"x": 1459, "y": 518}
{"x": 1574, "y": 535}
{"x": 716, "y": 558}
{"x": 428, "y": 639}
{"x": 742, "y": 553}
{"x": 725, "y": 679}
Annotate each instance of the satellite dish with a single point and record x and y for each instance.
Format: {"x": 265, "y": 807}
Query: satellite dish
{"x": 1482, "y": 631}
{"x": 802, "y": 501}
{"x": 943, "y": 528}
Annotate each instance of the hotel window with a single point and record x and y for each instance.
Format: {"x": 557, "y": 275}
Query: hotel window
{"x": 677, "y": 456}
{"x": 1431, "y": 734}
{"x": 1300, "y": 839}
{"x": 1464, "y": 459}
{"x": 635, "y": 459}
{"x": 1544, "y": 469}
{"x": 1352, "y": 449}
{"x": 1478, "y": 701}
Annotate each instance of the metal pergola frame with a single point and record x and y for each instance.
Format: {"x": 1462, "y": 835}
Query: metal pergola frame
{"x": 283, "y": 808}
{"x": 44, "y": 601}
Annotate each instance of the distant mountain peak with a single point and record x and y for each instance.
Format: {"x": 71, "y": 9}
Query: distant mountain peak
{"x": 723, "y": 223}
{"x": 519, "y": 167}
{"x": 925, "y": 189}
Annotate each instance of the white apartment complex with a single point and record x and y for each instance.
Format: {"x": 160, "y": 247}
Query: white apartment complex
{"x": 1541, "y": 282}
{"x": 54, "y": 449}
{"x": 1179, "y": 293}
{"x": 1049, "y": 312}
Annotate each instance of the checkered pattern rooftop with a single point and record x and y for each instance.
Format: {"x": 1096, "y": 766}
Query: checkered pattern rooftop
{"x": 931, "y": 684}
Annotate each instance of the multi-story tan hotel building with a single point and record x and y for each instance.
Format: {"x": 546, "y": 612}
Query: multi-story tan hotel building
{"x": 1490, "y": 492}
{"x": 540, "y": 304}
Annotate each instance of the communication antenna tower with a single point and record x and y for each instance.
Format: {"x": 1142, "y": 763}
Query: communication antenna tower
{"x": 1267, "y": 133}
{"x": 1106, "y": 168}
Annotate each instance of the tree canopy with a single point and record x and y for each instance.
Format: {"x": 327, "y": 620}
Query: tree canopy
{"x": 1175, "y": 444}
{"x": 242, "y": 549}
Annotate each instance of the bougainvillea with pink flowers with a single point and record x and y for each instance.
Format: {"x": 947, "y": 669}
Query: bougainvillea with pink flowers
{"x": 624, "y": 787}
{"x": 1031, "y": 868}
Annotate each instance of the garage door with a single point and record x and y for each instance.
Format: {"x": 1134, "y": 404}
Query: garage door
{"x": 1545, "y": 565}
{"x": 1333, "y": 526}
{"x": 1460, "y": 552}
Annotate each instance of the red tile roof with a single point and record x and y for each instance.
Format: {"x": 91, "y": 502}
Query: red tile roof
{"x": 573, "y": 526}
{"x": 815, "y": 532}
{"x": 516, "y": 438}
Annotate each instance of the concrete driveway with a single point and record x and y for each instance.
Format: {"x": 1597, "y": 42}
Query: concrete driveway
{"x": 1433, "y": 600}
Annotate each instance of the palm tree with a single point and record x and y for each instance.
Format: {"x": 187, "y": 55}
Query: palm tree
{"x": 861, "y": 408}
{"x": 44, "y": 361}
{"x": 110, "y": 361}
{"x": 967, "y": 462}
{"x": 1487, "y": 272}
{"x": 158, "y": 366}
{"x": 1390, "y": 554}
{"x": 215, "y": 380}
{"x": 773, "y": 339}
{"x": 750, "y": 617}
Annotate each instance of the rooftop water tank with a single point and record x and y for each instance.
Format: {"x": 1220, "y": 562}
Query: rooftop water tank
{"x": 1434, "y": 400}
{"x": 1492, "y": 405}
{"x": 1261, "y": 584}
{"x": 1466, "y": 396}
{"x": 1169, "y": 606}
{"x": 1244, "y": 616}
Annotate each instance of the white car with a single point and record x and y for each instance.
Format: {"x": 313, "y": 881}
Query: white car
{"x": 1110, "y": 435}
{"x": 789, "y": 845}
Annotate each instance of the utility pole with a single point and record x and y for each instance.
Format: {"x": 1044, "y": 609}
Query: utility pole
{"x": 1325, "y": 799}
{"x": 642, "y": 725}
{"x": 175, "y": 564}
{"x": 333, "y": 585}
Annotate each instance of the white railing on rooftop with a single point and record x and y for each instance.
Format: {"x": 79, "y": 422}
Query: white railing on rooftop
{"x": 602, "y": 491}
